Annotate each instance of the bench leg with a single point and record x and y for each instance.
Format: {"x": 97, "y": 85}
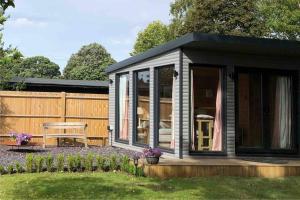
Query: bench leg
{"x": 44, "y": 142}
{"x": 85, "y": 142}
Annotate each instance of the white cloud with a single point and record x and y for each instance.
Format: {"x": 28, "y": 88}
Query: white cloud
{"x": 24, "y": 22}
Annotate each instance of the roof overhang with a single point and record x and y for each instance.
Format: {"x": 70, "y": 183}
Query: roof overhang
{"x": 250, "y": 45}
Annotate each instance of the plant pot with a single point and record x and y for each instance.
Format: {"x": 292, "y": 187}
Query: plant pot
{"x": 152, "y": 160}
{"x": 24, "y": 142}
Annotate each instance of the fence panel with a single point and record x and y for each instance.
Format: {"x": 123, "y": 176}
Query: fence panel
{"x": 27, "y": 111}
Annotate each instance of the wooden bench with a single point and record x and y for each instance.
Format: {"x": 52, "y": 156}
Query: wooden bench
{"x": 77, "y": 129}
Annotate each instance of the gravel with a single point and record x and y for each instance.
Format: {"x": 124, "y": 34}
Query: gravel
{"x": 11, "y": 156}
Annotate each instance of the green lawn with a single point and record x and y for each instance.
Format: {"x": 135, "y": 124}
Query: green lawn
{"x": 121, "y": 186}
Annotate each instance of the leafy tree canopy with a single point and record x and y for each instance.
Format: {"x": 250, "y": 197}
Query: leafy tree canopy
{"x": 36, "y": 67}
{"x": 89, "y": 63}
{"x": 282, "y": 18}
{"x": 231, "y": 17}
{"x": 154, "y": 34}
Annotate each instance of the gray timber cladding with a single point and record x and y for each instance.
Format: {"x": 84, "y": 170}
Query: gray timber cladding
{"x": 169, "y": 58}
{"x": 227, "y": 51}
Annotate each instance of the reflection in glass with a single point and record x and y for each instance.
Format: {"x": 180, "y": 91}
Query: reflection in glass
{"x": 142, "y": 106}
{"x": 165, "y": 88}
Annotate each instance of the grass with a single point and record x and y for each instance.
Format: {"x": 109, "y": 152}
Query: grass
{"x": 121, "y": 186}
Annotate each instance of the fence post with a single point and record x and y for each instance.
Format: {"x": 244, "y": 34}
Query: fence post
{"x": 62, "y": 112}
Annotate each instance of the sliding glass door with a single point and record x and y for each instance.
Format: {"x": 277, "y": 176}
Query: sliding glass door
{"x": 265, "y": 111}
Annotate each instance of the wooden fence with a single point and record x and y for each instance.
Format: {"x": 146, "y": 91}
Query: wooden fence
{"x": 26, "y": 112}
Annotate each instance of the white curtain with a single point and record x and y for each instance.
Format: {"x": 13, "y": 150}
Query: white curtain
{"x": 123, "y": 107}
{"x": 283, "y": 113}
{"x": 192, "y": 111}
{"x": 172, "y": 145}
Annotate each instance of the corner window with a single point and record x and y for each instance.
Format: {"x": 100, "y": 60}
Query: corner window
{"x": 141, "y": 107}
{"x": 165, "y": 83}
{"x": 122, "y": 105}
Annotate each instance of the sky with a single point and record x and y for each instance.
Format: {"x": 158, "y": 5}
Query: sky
{"x": 58, "y": 28}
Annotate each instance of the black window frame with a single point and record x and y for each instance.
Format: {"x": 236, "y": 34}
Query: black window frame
{"x": 117, "y": 107}
{"x": 224, "y": 75}
{"x": 157, "y": 109}
{"x": 266, "y": 151}
{"x": 134, "y": 108}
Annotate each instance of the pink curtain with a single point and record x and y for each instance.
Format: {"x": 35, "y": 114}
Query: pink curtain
{"x": 282, "y": 114}
{"x": 217, "y": 138}
{"x": 172, "y": 145}
{"x": 125, "y": 121}
{"x": 123, "y": 107}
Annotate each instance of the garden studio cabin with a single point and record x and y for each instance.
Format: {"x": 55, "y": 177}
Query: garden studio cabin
{"x": 206, "y": 94}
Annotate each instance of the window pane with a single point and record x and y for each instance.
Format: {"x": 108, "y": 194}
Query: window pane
{"x": 250, "y": 110}
{"x": 123, "y": 106}
{"x": 206, "y": 109}
{"x": 142, "y": 106}
{"x": 166, "y": 137}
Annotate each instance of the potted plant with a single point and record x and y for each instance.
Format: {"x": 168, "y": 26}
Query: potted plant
{"x": 152, "y": 155}
{"x": 22, "y": 138}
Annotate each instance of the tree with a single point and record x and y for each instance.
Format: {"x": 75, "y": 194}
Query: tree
{"x": 154, "y": 34}
{"x": 7, "y": 56}
{"x": 178, "y": 11}
{"x": 36, "y": 67}
{"x": 282, "y": 18}
{"x": 230, "y": 17}
{"x": 89, "y": 63}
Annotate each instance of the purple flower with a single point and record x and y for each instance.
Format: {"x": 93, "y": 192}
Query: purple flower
{"x": 21, "y": 138}
{"x": 156, "y": 152}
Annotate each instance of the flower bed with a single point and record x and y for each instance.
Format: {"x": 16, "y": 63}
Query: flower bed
{"x": 73, "y": 163}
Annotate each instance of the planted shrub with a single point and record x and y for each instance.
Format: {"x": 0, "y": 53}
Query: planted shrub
{"x": 125, "y": 163}
{"x": 100, "y": 162}
{"x": 2, "y": 170}
{"x": 19, "y": 168}
{"x": 60, "y": 162}
{"x": 113, "y": 162}
{"x": 88, "y": 162}
{"x": 49, "y": 162}
{"x": 78, "y": 163}
{"x": 106, "y": 165}
{"x": 29, "y": 163}
{"x": 39, "y": 163}
{"x": 71, "y": 163}
{"x": 10, "y": 169}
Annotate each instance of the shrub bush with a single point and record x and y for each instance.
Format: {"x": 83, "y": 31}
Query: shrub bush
{"x": 100, "y": 162}
{"x": 39, "y": 163}
{"x": 125, "y": 163}
{"x": 71, "y": 163}
{"x": 78, "y": 162}
{"x": 113, "y": 162}
{"x": 29, "y": 163}
{"x": 2, "y": 170}
{"x": 60, "y": 162}
{"x": 49, "y": 162}
{"x": 88, "y": 162}
{"x": 106, "y": 165}
{"x": 10, "y": 169}
{"x": 19, "y": 168}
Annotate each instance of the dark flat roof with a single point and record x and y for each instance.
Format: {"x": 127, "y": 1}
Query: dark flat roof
{"x": 61, "y": 82}
{"x": 217, "y": 42}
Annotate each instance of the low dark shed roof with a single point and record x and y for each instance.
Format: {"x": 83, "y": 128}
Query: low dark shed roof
{"x": 217, "y": 42}
{"x": 56, "y": 85}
